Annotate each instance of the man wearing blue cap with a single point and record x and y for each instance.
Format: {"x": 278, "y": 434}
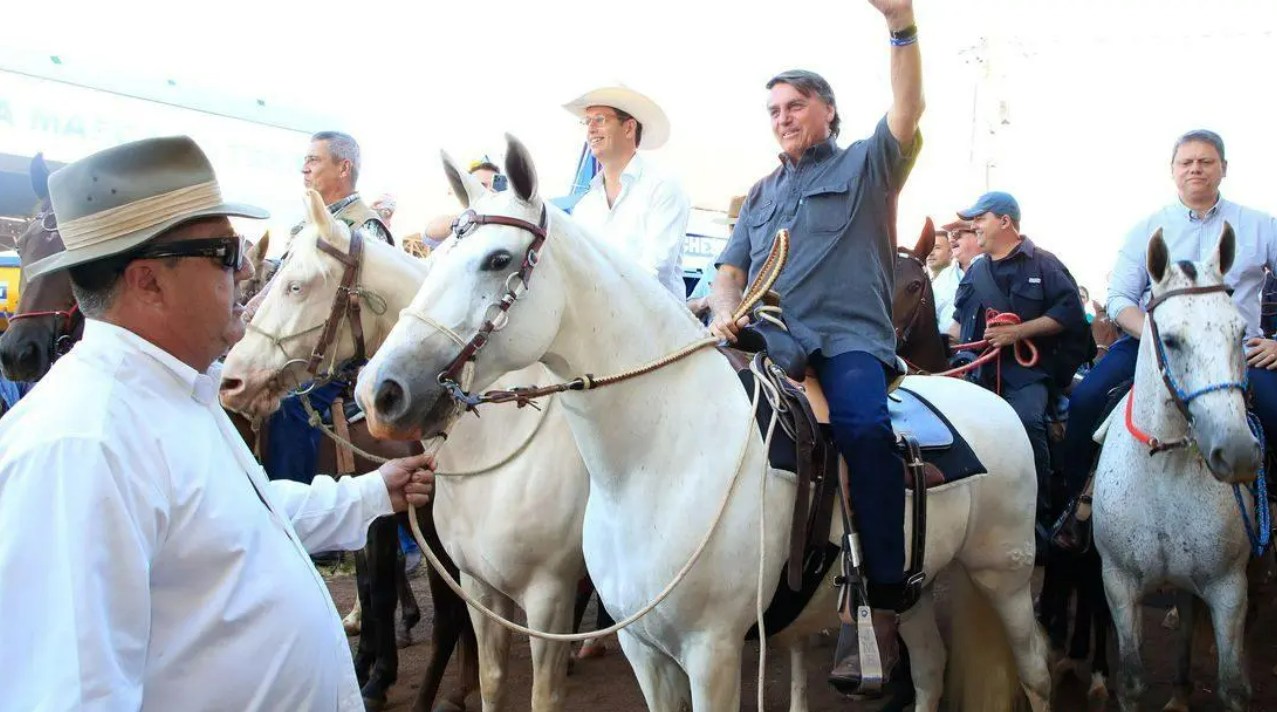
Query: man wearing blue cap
{"x": 1036, "y": 299}
{"x": 1191, "y": 227}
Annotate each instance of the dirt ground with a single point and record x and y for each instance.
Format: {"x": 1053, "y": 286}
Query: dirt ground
{"x": 608, "y": 683}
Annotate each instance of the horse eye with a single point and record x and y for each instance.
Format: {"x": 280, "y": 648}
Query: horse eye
{"x": 294, "y": 288}
{"x": 914, "y": 287}
{"x": 1170, "y": 342}
{"x": 498, "y": 260}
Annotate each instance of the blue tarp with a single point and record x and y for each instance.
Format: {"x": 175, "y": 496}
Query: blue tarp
{"x": 586, "y": 168}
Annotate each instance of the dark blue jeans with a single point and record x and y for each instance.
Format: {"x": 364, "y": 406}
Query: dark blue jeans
{"x": 1029, "y": 401}
{"x": 1090, "y": 395}
{"x": 294, "y": 445}
{"x": 855, "y": 384}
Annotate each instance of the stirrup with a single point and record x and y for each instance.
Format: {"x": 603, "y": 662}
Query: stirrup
{"x": 1071, "y": 534}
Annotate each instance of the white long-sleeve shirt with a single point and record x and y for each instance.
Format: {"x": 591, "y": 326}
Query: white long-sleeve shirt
{"x": 648, "y": 221}
{"x": 944, "y": 287}
{"x": 147, "y": 562}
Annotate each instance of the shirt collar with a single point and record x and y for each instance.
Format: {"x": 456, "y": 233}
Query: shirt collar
{"x": 814, "y": 154}
{"x": 1023, "y": 247}
{"x": 341, "y": 205}
{"x": 112, "y": 338}
{"x": 1210, "y": 213}
{"x": 633, "y": 171}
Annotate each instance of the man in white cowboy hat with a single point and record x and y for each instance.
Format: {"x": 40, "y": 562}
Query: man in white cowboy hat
{"x": 631, "y": 204}
{"x": 142, "y": 541}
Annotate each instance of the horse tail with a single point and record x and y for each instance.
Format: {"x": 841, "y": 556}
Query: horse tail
{"x": 982, "y": 675}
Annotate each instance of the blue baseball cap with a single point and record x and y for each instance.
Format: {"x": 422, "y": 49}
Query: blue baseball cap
{"x": 996, "y": 202}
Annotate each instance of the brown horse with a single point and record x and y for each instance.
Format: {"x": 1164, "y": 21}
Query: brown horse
{"x": 913, "y": 307}
{"x": 47, "y": 324}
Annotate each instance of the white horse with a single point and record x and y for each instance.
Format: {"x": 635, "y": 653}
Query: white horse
{"x": 666, "y": 450}
{"x": 514, "y": 529}
{"x": 1172, "y": 517}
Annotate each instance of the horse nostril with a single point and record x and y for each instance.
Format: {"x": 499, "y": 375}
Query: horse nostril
{"x": 389, "y": 398}
{"x": 231, "y": 386}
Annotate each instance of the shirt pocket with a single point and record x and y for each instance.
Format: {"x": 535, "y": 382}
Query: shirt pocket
{"x": 1029, "y": 299}
{"x": 826, "y": 207}
{"x": 759, "y": 221}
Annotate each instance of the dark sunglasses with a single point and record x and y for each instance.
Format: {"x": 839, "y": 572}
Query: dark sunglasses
{"x": 229, "y": 251}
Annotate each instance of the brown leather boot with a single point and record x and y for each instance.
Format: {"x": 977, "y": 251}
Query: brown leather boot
{"x": 847, "y": 676}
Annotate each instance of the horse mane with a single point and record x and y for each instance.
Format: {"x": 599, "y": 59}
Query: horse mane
{"x": 587, "y": 250}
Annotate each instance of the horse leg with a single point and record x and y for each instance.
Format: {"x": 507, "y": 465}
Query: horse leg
{"x": 365, "y": 652}
{"x": 927, "y": 655}
{"x": 798, "y": 674}
{"x": 383, "y": 547}
{"x": 1123, "y": 593}
{"x": 451, "y": 626}
{"x": 1007, "y": 591}
{"x": 1182, "y": 681}
{"x": 664, "y": 684}
{"x": 550, "y": 609}
{"x": 1091, "y": 586}
{"x": 493, "y": 639}
{"x": 1227, "y": 601}
{"x": 713, "y": 671}
{"x": 410, "y": 612}
{"x": 353, "y": 620}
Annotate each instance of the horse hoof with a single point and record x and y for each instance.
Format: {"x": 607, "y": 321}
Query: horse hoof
{"x": 1064, "y": 666}
{"x": 588, "y": 651}
{"x": 1171, "y": 621}
{"x": 1098, "y": 695}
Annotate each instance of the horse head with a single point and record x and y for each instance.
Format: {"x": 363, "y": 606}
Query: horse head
{"x": 291, "y": 315}
{"x": 913, "y": 311}
{"x": 468, "y": 302}
{"x": 263, "y": 270}
{"x": 1193, "y": 337}
{"x": 47, "y": 321}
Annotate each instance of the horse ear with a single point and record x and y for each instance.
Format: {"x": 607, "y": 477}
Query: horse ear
{"x": 519, "y": 168}
{"x": 1158, "y": 257}
{"x": 40, "y": 176}
{"x": 1222, "y": 259}
{"x": 317, "y": 214}
{"x": 257, "y": 252}
{"x": 464, "y": 186}
{"x": 926, "y": 241}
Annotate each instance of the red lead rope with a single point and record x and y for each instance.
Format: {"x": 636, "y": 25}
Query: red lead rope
{"x": 1026, "y": 353}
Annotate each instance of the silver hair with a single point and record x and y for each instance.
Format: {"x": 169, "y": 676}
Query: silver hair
{"x": 1200, "y": 136}
{"x": 343, "y": 147}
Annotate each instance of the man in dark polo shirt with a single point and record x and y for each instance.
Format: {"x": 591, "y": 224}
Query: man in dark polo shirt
{"x": 836, "y": 293}
{"x": 1019, "y": 277}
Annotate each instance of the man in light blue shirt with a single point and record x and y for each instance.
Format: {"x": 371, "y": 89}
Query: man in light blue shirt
{"x": 1191, "y": 227}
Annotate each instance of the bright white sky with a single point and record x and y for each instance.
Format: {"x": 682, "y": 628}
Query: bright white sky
{"x": 1086, "y": 96}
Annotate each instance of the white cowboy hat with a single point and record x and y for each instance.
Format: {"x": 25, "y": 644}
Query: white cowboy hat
{"x": 656, "y": 126}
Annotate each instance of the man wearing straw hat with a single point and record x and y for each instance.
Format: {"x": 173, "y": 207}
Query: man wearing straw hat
{"x": 836, "y": 292}
{"x": 148, "y": 563}
{"x": 631, "y": 204}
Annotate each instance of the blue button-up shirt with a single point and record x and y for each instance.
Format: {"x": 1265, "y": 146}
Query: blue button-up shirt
{"x": 1190, "y": 236}
{"x": 837, "y": 284}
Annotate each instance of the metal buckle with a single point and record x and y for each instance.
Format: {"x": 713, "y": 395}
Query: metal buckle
{"x": 465, "y": 223}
